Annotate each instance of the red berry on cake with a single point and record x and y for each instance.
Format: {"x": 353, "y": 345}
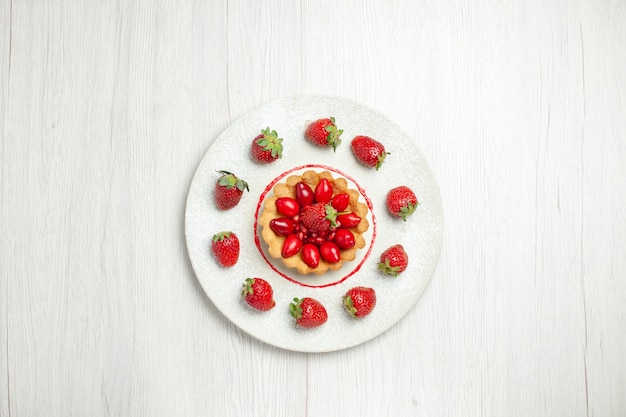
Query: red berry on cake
{"x": 287, "y": 206}
{"x": 283, "y": 226}
{"x": 344, "y": 238}
{"x": 323, "y": 191}
{"x": 310, "y": 255}
{"x": 291, "y": 246}
{"x": 316, "y": 216}
{"x": 340, "y": 202}
{"x": 348, "y": 220}
{"x": 304, "y": 194}
{"x": 330, "y": 252}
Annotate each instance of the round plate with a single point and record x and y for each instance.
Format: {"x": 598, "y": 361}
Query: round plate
{"x": 421, "y": 235}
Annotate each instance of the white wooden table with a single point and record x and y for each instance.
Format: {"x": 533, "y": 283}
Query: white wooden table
{"x": 106, "y": 108}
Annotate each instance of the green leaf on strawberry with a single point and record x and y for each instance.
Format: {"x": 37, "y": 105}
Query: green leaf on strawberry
{"x": 267, "y": 146}
{"x": 229, "y": 180}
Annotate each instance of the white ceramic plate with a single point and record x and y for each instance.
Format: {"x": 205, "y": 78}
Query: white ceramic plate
{"x": 421, "y": 235}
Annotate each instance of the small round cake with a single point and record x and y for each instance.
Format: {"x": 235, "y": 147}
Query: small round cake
{"x": 314, "y": 222}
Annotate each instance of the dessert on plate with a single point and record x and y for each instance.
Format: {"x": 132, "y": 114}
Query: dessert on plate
{"x": 314, "y": 222}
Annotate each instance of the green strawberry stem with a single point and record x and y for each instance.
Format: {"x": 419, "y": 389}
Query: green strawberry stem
{"x": 218, "y": 237}
{"x": 332, "y": 213}
{"x": 295, "y": 309}
{"x": 407, "y": 210}
{"x": 388, "y": 269}
{"x": 349, "y": 304}
{"x": 381, "y": 159}
{"x": 247, "y": 287}
{"x": 333, "y": 137}
{"x": 230, "y": 180}
{"x": 271, "y": 142}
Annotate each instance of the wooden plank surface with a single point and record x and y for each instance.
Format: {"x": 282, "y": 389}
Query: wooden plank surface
{"x": 107, "y": 108}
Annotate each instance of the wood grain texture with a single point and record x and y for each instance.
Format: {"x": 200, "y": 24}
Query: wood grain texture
{"x": 107, "y": 108}
{"x": 5, "y": 76}
{"x": 5, "y": 53}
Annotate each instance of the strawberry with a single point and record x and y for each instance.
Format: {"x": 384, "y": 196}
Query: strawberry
{"x": 228, "y": 190}
{"x": 258, "y": 294}
{"x": 318, "y": 217}
{"x": 267, "y": 147}
{"x": 324, "y": 132}
{"x": 368, "y": 151}
{"x": 401, "y": 202}
{"x": 308, "y": 312}
{"x": 359, "y": 301}
{"x": 393, "y": 260}
{"x": 225, "y": 247}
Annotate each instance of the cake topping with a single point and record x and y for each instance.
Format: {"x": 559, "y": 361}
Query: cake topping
{"x": 314, "y": 222}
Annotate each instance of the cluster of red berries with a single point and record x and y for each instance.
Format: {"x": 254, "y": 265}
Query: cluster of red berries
{"x": 315, "y": 223}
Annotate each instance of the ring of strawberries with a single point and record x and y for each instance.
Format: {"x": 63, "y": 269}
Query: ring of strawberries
{"x": 315, "y": 217}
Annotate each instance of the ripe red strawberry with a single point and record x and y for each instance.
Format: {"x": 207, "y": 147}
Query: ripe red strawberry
{"x": 225, "y": 246}
{"x": 228, "y": 190}
{"x": 393, "y": 260}
{"x": 308, "y": 312}
{"x": 401, "y": 202}
{"x": 359, "y": 301}
{"x": 318, "y": 217}
{"x": 258, "y": 294}
{"x": 267, "y": 147}
{"x": 324, "y": 132}
{"x": 368, "y": 151}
